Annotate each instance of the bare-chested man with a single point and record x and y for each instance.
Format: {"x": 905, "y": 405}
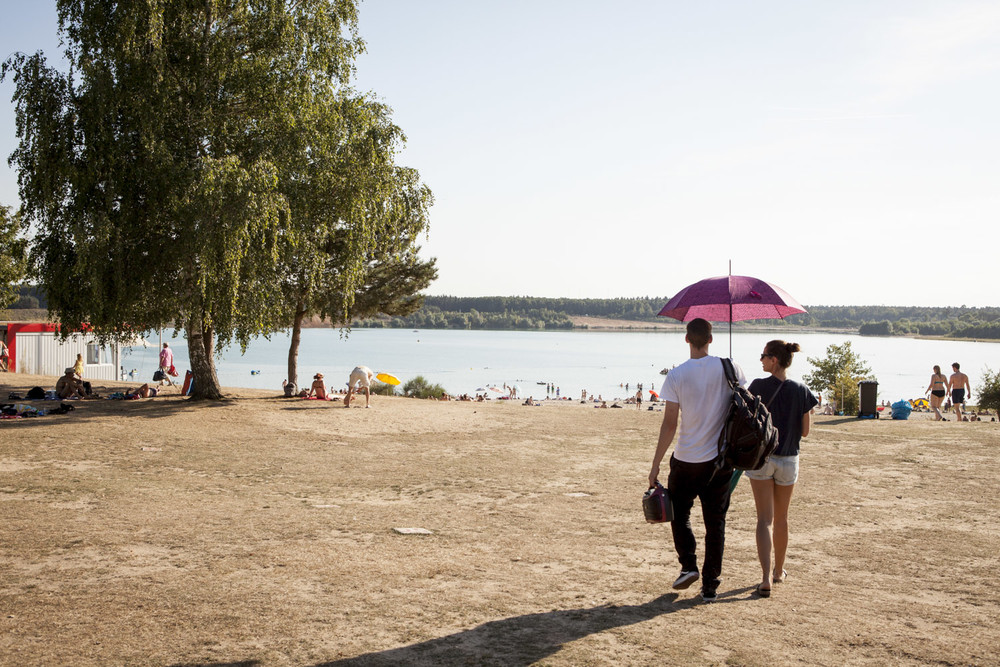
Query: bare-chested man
{"x": 69, "y": 385}
{"x": 960, "y": 388}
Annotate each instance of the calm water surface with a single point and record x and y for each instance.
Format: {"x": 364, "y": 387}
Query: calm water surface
{"x": 600, "y": 362}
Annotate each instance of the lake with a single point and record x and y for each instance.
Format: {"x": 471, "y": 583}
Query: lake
{"x": 600, "y": 362}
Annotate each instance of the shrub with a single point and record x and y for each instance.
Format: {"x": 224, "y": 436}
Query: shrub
{"x": 845, "y": 393}
{"x": 383, "y": 389}
{"x": 883, "y": 328}
{"x": 989, "y": 391}
{"x": 837, "y": 376}
{"x": 419, "y": 387}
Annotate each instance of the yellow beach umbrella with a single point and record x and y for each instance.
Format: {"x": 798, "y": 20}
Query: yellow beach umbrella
{"x": 388, "y": 379}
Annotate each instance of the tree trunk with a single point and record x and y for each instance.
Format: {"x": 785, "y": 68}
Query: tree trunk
{"x": 201, "y": 345}
{"x": 293, "y": 348}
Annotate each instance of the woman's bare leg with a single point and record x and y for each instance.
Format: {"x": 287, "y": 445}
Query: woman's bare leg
{"x": 782, "y": 499}
{"x": 763, "y": 498}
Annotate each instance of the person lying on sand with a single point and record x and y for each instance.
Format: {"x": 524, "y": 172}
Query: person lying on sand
{"x": 145, "y": 391}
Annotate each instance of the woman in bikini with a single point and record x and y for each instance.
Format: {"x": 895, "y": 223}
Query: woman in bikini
{"x": 318, "y": 388}
{"x": 938, "y": 391}
{"x": 790, "y": 404}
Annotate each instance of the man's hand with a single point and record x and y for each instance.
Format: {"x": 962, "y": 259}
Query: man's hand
{"x": 668, "y": 428}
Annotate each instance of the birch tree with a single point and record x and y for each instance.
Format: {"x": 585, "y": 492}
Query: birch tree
{"x": 159, "y": 172}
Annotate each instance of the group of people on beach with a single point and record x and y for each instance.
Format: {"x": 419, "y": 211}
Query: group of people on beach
{"x": 360, "y": 380}
{"x": 697, "y": 397}
{"x": 957, "y": 385}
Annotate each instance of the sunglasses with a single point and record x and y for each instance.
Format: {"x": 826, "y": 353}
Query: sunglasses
{"x": 765, "y": 355}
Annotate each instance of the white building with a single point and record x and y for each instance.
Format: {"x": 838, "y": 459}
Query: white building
{"x": 35, "y": 348}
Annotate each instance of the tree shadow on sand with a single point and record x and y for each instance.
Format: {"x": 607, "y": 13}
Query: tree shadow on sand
{"x": 523, "y": 640}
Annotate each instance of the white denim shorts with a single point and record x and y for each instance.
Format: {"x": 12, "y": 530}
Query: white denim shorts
{"x": 784, "y": 470}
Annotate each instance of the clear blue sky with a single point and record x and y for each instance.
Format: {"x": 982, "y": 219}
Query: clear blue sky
{"x": 847, "y": 151}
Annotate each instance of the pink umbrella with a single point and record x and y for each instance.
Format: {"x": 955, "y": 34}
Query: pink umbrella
{"x": 731, "y": 299}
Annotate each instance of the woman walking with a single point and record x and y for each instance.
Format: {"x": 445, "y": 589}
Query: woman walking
{"x": 790, "y": 403}
{"x": 937, "y": 388}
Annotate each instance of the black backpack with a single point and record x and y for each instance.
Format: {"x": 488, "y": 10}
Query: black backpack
{"x": 748, "y": 437}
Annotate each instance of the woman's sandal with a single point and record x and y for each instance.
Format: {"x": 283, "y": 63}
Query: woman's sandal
{"x": 778, "y": 580}
{"x": 763, "y": 592}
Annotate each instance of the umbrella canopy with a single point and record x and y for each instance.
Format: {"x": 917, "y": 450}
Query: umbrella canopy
{"x": 731, "y": 299}
{"x": 388, "y": 379}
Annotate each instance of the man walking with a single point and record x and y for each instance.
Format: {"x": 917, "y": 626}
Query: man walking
{"x": 960, "y": 390}
{"x": 697, "y": 395}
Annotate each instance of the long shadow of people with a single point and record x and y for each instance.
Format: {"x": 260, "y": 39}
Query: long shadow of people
{"x": 521, "y": 640}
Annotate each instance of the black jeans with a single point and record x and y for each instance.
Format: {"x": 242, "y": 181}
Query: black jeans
{"x": 686, "y": 482}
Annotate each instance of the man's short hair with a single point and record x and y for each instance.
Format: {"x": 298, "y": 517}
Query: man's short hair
{"x": 699, "y": 332}
{"x": 955, "y": 366}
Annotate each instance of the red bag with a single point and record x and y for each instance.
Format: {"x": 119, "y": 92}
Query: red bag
{"x": 172, "y": 371}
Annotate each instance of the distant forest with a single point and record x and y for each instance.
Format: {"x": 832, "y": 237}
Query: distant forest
{"x": 540, "y": 313}
{"x": 535, "y": 313}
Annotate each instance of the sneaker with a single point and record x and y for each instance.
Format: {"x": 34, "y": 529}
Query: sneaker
{"x": 708, "y": 595}
{"x": 687, "y": 578}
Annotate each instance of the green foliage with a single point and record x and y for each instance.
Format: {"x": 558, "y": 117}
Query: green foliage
{"x": 883, "y": 328}
{"x": 419, "y": 387}
{"x": 432, "y": 318}
{"x": 837, "y": 376}
{"x": 382, "y": 389}
{"x": 199, "y": 157}
{"x": 989, "y": 391}
{"x": 13, "y": 259}
{"x": 845, "y": 393}
{"x": 497, "y": 312}
{"x": 26, "y": 303}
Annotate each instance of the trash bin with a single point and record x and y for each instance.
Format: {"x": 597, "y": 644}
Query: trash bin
{"x": 867, "y": 403}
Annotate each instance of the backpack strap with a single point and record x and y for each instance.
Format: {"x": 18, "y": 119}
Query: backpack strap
{"x": 727, "y": 367}
{"x": 775, "y": 395}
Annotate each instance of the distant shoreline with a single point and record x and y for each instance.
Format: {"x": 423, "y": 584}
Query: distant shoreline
{"x": 586, "y": 323}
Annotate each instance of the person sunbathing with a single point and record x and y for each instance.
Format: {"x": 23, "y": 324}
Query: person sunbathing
{"x": 318, "y": 388}
{"x": 145, "y": 391}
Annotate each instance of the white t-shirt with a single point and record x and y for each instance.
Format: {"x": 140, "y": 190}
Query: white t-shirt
{"x": 700, "y": 388}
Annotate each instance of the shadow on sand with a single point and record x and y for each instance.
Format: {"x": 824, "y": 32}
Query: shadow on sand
{"x": 524, "y": 640}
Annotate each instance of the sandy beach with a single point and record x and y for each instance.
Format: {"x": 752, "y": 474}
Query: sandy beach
{"x": 261, "y": 531}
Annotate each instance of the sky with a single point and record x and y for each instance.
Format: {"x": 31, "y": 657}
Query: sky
{"x": 845, "y": 151}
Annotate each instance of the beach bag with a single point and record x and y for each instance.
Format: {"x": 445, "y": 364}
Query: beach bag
{"x": 158, "y": 376}
{"x": 656, "y": 505}
{"x": 36, "y": 394}
{"x": 172, "y": 371}
{"x": 748, "y": 437}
